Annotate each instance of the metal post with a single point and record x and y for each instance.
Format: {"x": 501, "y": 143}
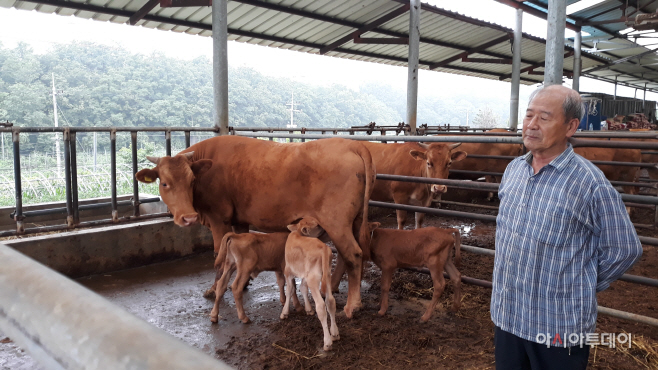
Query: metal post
{"x": 133, "y": 146}
{"x": 113, "y": 173}
{"x": 18, "y": 217}
{"x": 67, "y": 177}
{"x": 576, "y": 60}
{"x": 412, "y": 77}
{"x": 95, "y": 150}
{"x": 516, "y": 71}
{"x": 74, "y": 179}
{"x": 168, "y": 142}
{"x": 187, "y": 139}
{"x": 220, "y": 65}
{"x": 557, "y": 17}
{"x": 644, "y": 99}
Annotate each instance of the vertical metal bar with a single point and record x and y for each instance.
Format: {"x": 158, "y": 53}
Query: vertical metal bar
{"x": 220, "y": 65}
{"x": 95, "y": 149}
{"x": 133, "y": 146}
{"x": 557, "y": 17}
{"x": 168, "y": 142}
{"x": 187, "y": 139}
{"x": 516, "y": 71}
{"x": 18, "y": 215}
{"x": 576, "y": 60}
{"x": 271, "y": 138}
{"x": 644, "y": 99}
{"x": 412, "y": 69}
{"x": 67, "y": 177}
{"x": 74, "y": 179}
{"x": 113, "y": 173}
{"x": 383, "y": 132}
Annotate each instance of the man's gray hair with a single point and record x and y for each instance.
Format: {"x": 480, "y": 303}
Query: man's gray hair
{"x": 572, "y": 106}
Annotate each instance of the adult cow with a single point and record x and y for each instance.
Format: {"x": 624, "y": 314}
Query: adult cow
{"x": 230, "y": 181}
{"x": 486, "y": 164}
{"x": 412, "y": 159}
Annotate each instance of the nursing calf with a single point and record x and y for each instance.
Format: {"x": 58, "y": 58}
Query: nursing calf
{"x": 310, "y": 259}
{"x": 250, "y": 254}
{"x": 429, "y": 247}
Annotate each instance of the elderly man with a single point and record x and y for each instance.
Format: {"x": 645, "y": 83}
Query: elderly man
{"x": 562, "y": 235}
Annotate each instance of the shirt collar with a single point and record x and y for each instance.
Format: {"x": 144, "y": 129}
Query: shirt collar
{"x": 559, "y": 163}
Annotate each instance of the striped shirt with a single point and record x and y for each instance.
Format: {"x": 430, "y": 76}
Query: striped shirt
{"x": 562, "y": 235}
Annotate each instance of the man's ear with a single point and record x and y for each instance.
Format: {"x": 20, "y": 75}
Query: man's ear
{"x": 418, "y": 155}
{"x": 573, "y": 126}
{"x": 147, "y": 175}
{"x": 458, "y": 156}
{"x": 201, "y": 166}
{"x": 292, "y": 227}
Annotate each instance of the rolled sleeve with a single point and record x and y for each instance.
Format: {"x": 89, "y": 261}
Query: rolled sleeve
{"x": 618, "y": 245}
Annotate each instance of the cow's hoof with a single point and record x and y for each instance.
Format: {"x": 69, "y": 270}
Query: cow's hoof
{"x": 327, "y": 347}
{"x": 381, "y": 312}
{"x": 348, "y": 312}
{"x": 425, "y": 318}
{"x": 299, "y": 309}
{"x": 245, "y": 320}
{"x": 214, "y": 319}
{"x": 310, "y": 313}
{"x": 283, "y": 316}
{"x": 335, "y": 337}
{"x": 210, "y": 294}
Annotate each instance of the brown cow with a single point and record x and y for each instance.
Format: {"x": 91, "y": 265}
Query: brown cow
{"x": 249, "y": 253}
{"x": 230, "y": 181}
{"x": 429, "y": 247}
{"x": 412, "y": 159}
{"x": 310, "y": 259}
{"x": 484, "y": 164}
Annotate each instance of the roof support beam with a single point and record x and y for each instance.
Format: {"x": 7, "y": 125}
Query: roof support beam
{"x": 369, "y": 27}
{"x": 144, "y": 10}
{"x": 381, "y": 40}
{"x": 622, "y": 60}
{"x": 471, "y": 51}
{"x": 487, "y": 60}
{"x": 536, "y": 12}
{"x": 535, "y": 65}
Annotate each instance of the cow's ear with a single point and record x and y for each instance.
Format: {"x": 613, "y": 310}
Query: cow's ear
{"x": 147, "y": 175}
{"x": 458, "y": 156}
{"x": 374, "y": 225}
{"x": 292, "y": 227}
{"x": 201, "y": 166}
{"x": 418, "y": 155}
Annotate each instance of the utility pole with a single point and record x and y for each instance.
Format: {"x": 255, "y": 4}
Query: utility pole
{"x": 59, "y": 165}
{"x": 292, "y": 112}
{"x": 95, "y": 144}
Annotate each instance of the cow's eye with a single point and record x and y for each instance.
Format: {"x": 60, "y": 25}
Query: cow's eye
{"x": 164, "y": 184}
{"x": 429, "y": 164}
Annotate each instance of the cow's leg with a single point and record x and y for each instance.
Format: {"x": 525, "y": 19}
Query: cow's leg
{"x": 490, "y": 179}
{"x": 307, "y": 304}
{"x": 339, "y": 271}
{"x": 352, "y": 256}
{"x": 313, "y": 281}
{"x": 401, "y": 215}
{"x": 387, "y": 277}
{"x": 330, "y": 302}
{"x": 281, "y": 280}
{"x": 221, "y": 286}
{"x": 456, "y": 279}
{"x": 241, "y": 279}
{"x": 435, "y": 265}
{"x": 290, "y": 280}
{"x": 420, "y": 217}
{"x": 218, "y": 230}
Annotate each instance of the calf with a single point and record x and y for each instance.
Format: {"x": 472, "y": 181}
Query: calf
{"x": 429, "y": 247}
{"x": 249, "y": 253}
{"x": 310, "y": 259}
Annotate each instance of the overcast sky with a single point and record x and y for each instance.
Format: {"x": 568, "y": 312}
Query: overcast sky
{"x": 42, "y": 31}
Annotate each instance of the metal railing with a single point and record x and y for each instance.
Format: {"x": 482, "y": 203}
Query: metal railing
{"x": 63, "y": 325}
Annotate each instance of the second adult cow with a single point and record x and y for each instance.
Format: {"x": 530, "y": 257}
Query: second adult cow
{"x": 232, "y": 181}
{"x": 412, "y": 159}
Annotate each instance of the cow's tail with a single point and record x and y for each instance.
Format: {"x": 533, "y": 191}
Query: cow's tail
{"x": 370, "y": 173}
{"x": 223, "y": 250}
{"x": 458, "y": 247}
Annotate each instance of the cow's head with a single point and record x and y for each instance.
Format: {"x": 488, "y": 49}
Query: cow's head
{"x": 307, "y": 226}
{"x": 438, "y": 157}
{"x": 177, "y": 175}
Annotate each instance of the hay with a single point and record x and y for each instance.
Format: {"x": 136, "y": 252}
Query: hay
{"x": 642, "y": 351}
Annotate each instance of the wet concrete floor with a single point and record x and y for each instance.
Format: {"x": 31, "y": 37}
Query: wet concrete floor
{"x": 169, "y": 296}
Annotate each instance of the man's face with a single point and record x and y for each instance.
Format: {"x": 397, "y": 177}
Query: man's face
{"x": 544, "y": 129}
